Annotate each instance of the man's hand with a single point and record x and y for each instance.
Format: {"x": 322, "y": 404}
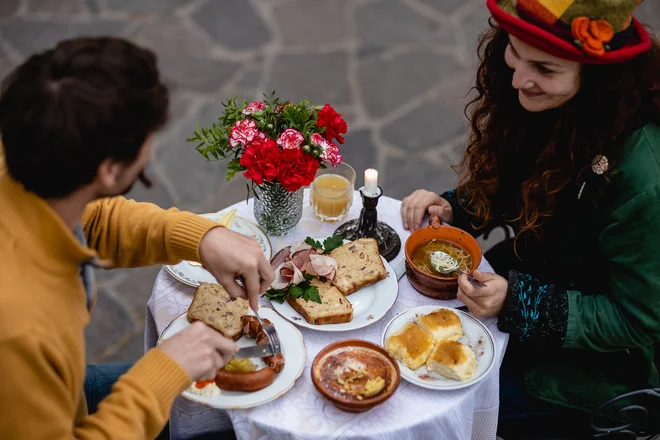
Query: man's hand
{"x": 200, "y": 350}
{"x": 228, "y": 255}
{"x": 483, "y": 301}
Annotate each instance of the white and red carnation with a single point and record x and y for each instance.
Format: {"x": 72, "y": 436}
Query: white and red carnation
{"x": 243, "y": 132}
{"x": 330, "y": 152}
{"x": 290, "y": 138}
{"x": 282, "y": 107}
{"x": 253, "y": 107}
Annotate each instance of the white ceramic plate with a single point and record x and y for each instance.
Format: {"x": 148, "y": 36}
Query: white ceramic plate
{"x": 193, "y": 274}
{"x": 293, "y": 349}
{"x": 476, "y": 336}
{"x": 370, "y": 304}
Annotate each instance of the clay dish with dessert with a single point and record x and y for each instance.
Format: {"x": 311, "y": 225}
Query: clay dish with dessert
{"x": 347, "y": 371}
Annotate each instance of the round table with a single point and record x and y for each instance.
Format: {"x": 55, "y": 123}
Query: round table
{"x": 303, "y": 413}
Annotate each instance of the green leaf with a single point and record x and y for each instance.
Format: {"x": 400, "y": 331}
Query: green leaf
{"x": 276, "y": 295}
{"x": 296, "y": 291}
{"x": 312, "y": 294}
{"x": 332, "y": 243}
{"x": 234, "y": 165}
{"x": 313, "y": 243}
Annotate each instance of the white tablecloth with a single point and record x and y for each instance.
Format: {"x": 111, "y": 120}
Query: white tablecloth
{"x": 412, "y": 413}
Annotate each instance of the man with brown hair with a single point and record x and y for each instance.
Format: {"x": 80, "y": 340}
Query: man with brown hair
{"x": 76, "y": 123}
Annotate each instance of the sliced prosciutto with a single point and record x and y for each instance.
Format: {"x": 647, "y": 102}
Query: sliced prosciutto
{"x": 324, "y": 266}
{"x": 301, "y": 259}
{"x": 299, "y": 246}
{"x": 286, "y": 274}
{"x": 281, "y": 257}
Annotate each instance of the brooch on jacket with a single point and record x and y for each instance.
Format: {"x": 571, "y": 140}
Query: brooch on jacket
{"x": 599, "y": 166}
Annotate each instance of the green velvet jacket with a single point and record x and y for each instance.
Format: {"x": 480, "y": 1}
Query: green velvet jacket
{"x": 586, "y": 306}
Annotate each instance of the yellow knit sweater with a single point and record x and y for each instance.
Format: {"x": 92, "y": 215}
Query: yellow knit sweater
{"x": 43, "y": 313}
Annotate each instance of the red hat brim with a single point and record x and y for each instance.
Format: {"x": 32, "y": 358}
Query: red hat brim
{"x": 552, "y": 44}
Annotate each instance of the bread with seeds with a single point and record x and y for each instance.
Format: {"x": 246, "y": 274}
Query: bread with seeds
{"x": 358, "y": 265}
{"x": 334, "y": 307}
{"x": 213, "y": 306}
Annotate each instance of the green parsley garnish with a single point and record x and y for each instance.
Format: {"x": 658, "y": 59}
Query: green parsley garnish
{"x": 304, "y": 290}
{"x": 329, "y": 244}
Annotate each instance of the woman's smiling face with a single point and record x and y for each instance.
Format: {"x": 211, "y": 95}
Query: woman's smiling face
{"x": 543, "y": 81}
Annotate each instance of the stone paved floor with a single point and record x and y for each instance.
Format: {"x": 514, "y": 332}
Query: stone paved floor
{"x": 399, "y": 70}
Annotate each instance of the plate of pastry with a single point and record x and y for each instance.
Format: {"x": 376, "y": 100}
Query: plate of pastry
{"x": 332, "y": 284}
{"x": 193, "y": 274}
{"x": 440, "y": 348}
{"x": 242, "y": 383}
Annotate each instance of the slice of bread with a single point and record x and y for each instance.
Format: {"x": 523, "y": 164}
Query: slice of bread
{"x": 358, "y": 265}
{"x": 442, "y": 324}
{"x": 412, "y": 345}
{"x": 213, "y": 306}
{"x": 334, "y": 307}
{"x": 453, "y": 360}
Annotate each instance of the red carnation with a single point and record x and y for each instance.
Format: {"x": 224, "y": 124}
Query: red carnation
{"x": 333, "y": 123}
{"x": 262, "y": 160}
{"x": 297, "y": 169}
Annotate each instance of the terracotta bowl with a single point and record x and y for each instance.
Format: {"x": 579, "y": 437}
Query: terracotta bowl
{"x": 438, "y": 286}
{"x": 392, "y": 377}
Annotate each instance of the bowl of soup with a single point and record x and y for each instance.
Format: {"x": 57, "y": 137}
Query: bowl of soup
{"x": 453, "y": 241}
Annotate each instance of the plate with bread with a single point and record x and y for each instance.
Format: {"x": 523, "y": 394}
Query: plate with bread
{"x": 193, "y": 274}
{"x": 440, "y": 348}
{"x": 332, "y": 284}
{"x": 243, "y": 382}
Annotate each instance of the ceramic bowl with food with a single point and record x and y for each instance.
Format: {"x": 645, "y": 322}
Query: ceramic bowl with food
{"x": 355, "y": 375}
{"x": 453, "y": 241}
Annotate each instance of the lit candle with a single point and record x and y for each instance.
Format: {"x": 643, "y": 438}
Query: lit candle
{"x": 371, "y": 182}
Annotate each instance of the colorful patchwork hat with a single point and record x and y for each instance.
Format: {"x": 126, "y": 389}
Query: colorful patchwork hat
{"x": 588, "y": 31}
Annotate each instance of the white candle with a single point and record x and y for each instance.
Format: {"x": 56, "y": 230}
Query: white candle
{"x": 371, "y": 182}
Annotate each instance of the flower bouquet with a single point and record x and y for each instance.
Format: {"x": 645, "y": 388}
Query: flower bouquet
{"x": 278, "y": 146}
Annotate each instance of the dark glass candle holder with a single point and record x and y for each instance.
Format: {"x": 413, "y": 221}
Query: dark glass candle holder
{"x": 368, "y": 226}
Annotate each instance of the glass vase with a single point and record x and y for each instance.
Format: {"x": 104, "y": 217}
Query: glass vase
{"x": 277, "y": 210}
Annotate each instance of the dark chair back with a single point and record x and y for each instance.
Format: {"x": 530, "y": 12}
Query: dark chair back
{"x": 629, "y": 416}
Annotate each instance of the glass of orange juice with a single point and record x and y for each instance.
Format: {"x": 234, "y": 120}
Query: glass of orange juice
{"x": 331, "y": 193}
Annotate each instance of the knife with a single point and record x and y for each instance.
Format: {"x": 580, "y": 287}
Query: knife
{"x": 254, "y": 351}
{"x": 400, "y": 269}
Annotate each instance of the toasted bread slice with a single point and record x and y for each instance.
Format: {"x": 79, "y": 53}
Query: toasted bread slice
{"x": 412, "y": 345}
{"x": 334, "y": 309}
{"x": 442, "y": 324}
{"x": 213, "y": 306}
{"x": 358, "y": 265}
{"x": 453, "y": 360}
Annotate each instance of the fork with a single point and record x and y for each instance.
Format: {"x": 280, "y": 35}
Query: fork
{"x": 269, "y": 329}
{"x": 271, "y": 333}
{"x": 452, "y": 266}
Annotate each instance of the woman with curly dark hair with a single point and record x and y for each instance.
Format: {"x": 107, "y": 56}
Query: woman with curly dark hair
{"x": 564, "y": 149}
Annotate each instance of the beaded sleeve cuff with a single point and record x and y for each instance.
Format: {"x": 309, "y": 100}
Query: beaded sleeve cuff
{"x": 534, "y": 311}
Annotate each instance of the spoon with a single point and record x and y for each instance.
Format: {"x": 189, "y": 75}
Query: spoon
{"x": 446, "y": 264}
